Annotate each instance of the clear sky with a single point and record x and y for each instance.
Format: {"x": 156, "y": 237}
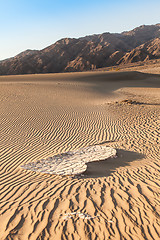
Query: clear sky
{"x": 35, "y": 24}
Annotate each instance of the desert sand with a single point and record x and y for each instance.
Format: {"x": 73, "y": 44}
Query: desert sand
{"x": 45, "y": 115}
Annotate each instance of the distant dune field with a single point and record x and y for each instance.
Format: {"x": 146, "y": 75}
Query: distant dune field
{"x": 44, "y": 115}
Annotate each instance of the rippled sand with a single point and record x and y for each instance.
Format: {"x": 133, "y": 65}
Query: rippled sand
{"x": 45, "y": 115}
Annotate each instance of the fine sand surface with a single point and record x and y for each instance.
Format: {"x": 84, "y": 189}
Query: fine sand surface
{"x": 45, "y": 115}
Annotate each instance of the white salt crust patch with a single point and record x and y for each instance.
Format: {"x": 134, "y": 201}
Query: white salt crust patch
{"x": 73, "y": 162}
{"x": 81, "y": 215}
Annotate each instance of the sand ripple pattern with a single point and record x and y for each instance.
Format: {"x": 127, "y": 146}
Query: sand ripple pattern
{"x": 37, "y": 122}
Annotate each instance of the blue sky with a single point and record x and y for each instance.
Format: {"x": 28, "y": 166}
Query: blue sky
{"x": 35, "y": 24}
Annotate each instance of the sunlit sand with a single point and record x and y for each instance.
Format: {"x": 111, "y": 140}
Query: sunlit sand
{"x": 46, "y": 115}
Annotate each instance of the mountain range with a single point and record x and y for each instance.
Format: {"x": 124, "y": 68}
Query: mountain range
{"x": 87, "y": 53}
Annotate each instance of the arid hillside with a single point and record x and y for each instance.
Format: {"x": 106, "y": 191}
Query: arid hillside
{"x": 87, "y": 53}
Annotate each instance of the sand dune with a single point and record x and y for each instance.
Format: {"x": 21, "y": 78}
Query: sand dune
{"x": 45, "y": 115}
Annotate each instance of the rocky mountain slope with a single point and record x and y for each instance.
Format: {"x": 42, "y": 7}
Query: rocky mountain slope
{"x": 147, "y": 51}
{"x": 90, "y": 52}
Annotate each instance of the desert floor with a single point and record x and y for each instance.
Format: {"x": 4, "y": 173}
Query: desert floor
{"x": 44, "y": 115}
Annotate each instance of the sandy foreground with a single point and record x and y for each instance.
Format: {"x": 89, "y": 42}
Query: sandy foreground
{"x": 44, "y": 115}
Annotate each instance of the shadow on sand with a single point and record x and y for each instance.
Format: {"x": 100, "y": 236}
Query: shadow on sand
{"x": 106, "y": 82}
{"x": 106, "y": 167}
